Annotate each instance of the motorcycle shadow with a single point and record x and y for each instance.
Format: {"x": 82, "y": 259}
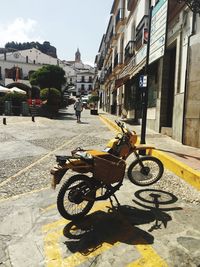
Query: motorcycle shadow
{"x": 118, "y": 225}
{"x": 90, "y": 233}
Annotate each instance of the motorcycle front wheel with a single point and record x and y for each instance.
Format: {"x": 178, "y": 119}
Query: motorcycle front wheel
{"x": 145, "y": 171}
{"x": 76, "y": 197}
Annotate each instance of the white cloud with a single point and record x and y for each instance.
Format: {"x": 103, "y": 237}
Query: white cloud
{"x": 20, "y": 30}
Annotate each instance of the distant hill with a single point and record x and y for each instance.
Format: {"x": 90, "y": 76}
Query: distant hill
{"x": 45, "y": 48}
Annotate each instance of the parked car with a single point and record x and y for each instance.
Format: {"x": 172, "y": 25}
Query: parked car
{"x": 84, "y": 100}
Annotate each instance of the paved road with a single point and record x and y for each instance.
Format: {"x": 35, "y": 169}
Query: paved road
{"x": 154, "y": 226}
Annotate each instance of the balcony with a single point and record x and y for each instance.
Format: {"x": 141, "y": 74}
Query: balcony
{"x": 118, "y": 59}
{"x": 108, "y": 72}
{"x": 100, "y": 63}
{"x": 112, "y": 36}
{"x": 131, "y": 4}
{"x": 129, "y": 50}
{"x": 119, "y": 18}
{"x": 141, "y": 31}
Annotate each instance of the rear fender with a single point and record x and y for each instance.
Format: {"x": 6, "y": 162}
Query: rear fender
{"x": 57, "y": 172}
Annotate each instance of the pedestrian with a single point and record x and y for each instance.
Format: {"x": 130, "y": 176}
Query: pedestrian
{"x": 78, "y": 107}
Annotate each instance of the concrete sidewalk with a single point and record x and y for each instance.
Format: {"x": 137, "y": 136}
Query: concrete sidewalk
{"x": 183, "y": 160}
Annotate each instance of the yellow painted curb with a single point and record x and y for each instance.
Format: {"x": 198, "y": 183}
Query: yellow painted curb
{"x": 182, "y": 170}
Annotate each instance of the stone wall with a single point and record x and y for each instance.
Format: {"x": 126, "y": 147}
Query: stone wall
{"x": 192, "y": 114}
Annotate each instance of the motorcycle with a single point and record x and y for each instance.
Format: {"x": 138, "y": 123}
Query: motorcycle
{"x": 105, "y": 173}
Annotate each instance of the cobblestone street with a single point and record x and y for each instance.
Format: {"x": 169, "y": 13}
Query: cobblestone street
{"x": 138, "y": 233}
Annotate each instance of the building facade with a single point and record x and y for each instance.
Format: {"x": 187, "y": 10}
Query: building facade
{"x": 16, "y": 67}
{"x": 81, "y": 78}
{"x": 171, "y": 59}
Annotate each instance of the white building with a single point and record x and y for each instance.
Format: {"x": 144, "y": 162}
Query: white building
{"x": 79, "y": 76}
{"x": 25, "y": 61}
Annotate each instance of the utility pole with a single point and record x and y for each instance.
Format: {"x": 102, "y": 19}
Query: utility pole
{"x": 144, "y": 83}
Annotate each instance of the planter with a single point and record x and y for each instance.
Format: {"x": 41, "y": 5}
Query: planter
{"x": 94, "y": 112}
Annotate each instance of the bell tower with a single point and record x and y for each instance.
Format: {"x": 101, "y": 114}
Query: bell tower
{"x": 77, "y": 56}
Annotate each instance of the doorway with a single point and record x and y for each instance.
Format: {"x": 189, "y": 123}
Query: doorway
{"x": 168, "y": 88}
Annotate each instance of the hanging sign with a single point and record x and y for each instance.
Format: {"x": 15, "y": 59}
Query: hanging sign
{"x": 143, "y": 81}
{"x": 158, "y": 30}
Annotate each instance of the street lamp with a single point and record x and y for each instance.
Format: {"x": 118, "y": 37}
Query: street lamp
{"x": 194, "y": 5}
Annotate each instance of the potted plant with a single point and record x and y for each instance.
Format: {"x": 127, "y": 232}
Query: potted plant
{"x": 93, "y": 104}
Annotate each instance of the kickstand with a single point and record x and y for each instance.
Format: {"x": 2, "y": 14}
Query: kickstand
{"x": 111, "y": 202}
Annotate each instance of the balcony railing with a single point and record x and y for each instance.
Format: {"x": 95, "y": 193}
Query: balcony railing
{"x": 108, "y": 72}
{"x": 118, "y": 59}
{"x": 140, "y": 30}
{"x": 129, "y": 50}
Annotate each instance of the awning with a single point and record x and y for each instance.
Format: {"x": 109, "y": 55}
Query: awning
{"x": 119, "y": 82}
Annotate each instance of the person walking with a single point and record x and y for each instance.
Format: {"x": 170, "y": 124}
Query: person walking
{"x": 78, "y": 107}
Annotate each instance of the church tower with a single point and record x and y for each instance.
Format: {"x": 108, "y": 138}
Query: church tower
{"x": 77, "y": 56}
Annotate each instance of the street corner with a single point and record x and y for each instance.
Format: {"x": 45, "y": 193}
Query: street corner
{"x": 103, "y": 236}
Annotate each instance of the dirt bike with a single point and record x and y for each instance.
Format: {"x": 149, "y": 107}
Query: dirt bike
{"x": 105, "y": 173}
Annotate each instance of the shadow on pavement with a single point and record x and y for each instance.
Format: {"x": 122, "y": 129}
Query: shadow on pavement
{"x": 181, "y": 155}
{"x": 63, "y": 115}
{"x": 120, "y": 223}
{"x": 89, "y": 234}
{"x": 156, "y": 201}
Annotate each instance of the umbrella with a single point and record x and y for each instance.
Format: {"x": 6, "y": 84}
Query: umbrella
{"x": 4, "y": 90}
{"x": 17, "y": 90}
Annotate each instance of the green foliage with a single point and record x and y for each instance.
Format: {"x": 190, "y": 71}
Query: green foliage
{"x": 1, "y": 100}
{"x": 52, "y": 100}
{"x": 52, "y": 95}
{"x": 93, "y": 99}
{"x": 49, "y": 76}
{"x": 15, "y": 98}
{"x": 45, "y": 48}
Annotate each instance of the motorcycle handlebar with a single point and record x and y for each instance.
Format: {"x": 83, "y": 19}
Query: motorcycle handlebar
{"x": 121, "y": 125}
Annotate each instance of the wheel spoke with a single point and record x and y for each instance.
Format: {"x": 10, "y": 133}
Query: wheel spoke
{"x": 72, "y": 202}
{"x": 145, "y": 171}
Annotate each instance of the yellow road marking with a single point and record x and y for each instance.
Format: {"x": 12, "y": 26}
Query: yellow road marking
{"x": 38, "y": 161}
{"x": 149, "y": 258}
{"x": 52, "y": 249}
{"x": 54, "y": 254}
{"x": 112, "y": 126}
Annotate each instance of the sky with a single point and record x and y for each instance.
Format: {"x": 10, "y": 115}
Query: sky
{"x": 66, "y": 24}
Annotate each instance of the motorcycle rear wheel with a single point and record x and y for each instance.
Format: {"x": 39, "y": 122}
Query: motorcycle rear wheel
{"x": 145, "y": 171}
{"x": 76, "y": 197}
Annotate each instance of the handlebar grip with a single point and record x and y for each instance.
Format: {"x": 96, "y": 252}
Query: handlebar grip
{"x": 118, "y": 123}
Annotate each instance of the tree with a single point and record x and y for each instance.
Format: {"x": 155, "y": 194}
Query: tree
{"x": 49, "y": 76}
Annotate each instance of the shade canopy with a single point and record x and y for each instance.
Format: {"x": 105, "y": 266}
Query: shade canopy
{"x": 4, "y": 89}
{"x": 17, "y": 90}
{"x": 11, "y": 90}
